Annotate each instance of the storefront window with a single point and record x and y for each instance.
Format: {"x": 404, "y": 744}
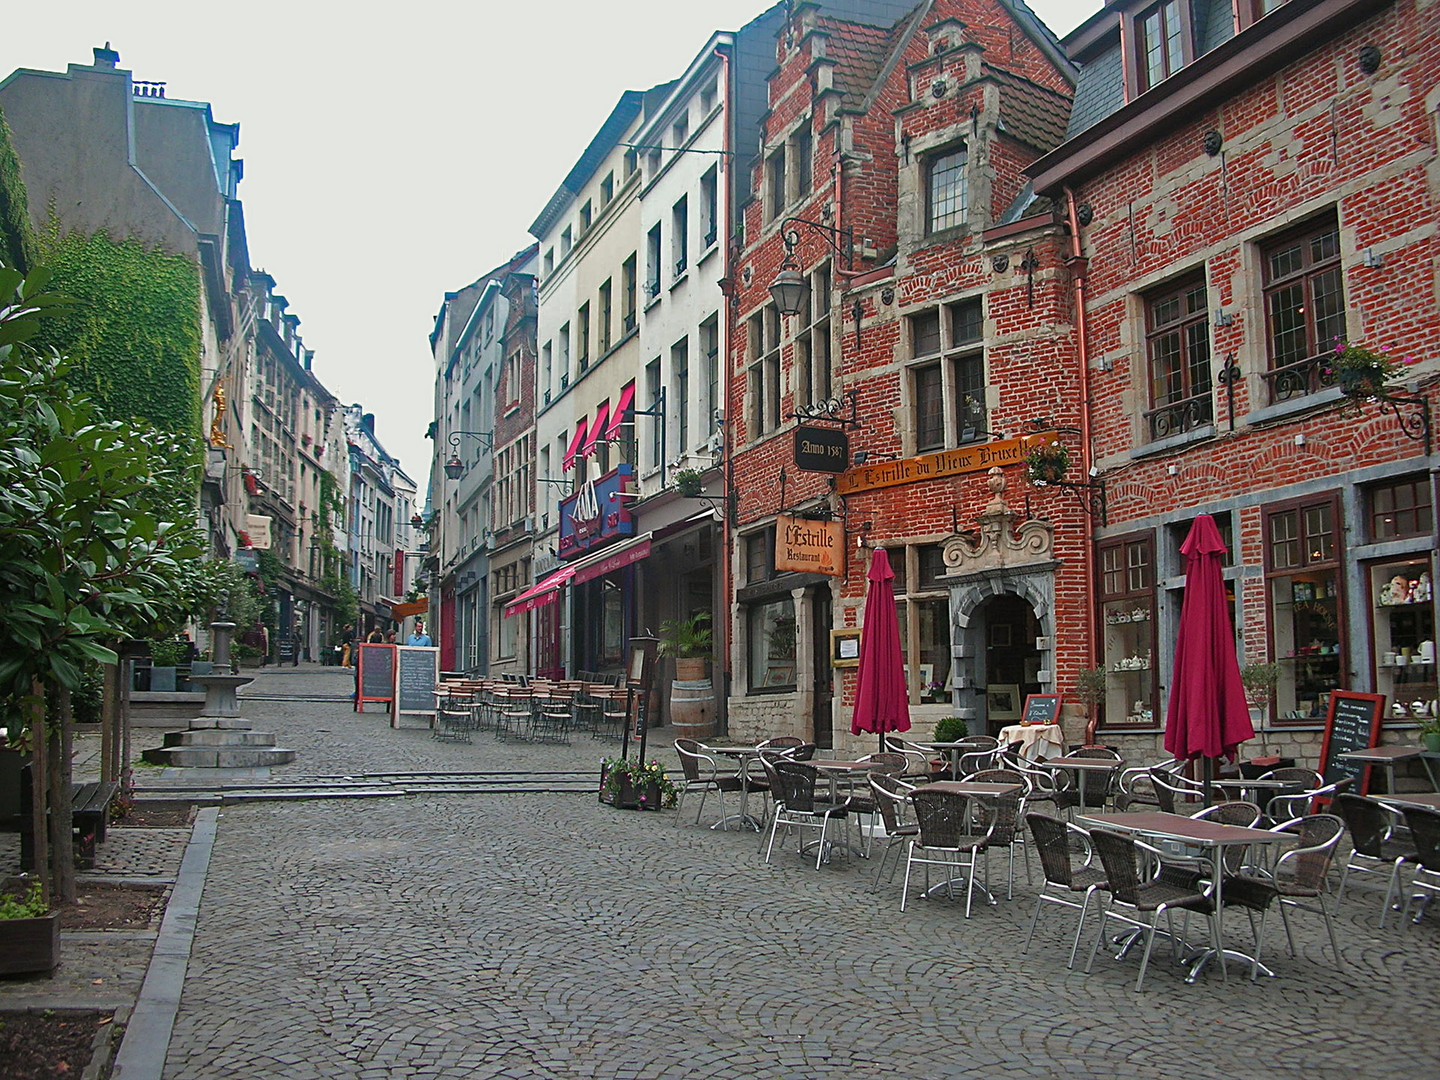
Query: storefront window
{"x": 1306, "y": 614}
{"x": 1401, "y": 508}
{"x": 924, "y": 617}
{"x": 1127, "y": 613}
{"x": 612, "y": 639}
{"x": 771, "y": 640}
{"x": 1401, "y": 592}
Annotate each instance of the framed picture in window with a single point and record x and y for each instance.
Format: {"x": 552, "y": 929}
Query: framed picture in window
{"x": 1002, "y": 701}
{"x": 845, "y": 647}
{"x": 777, "y": 675}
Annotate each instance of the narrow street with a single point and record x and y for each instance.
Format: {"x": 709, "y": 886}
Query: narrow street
{"x": 550, "y": 936}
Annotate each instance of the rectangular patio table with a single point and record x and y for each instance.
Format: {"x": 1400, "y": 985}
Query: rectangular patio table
{"x": 1387, "y": 757}
{"x": 1207, "y": 835}
{"x": 742, "y": 753}
{"x": 1422, "y": 799}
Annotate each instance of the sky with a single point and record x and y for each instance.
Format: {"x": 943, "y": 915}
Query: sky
{"x": 397, "y": 154}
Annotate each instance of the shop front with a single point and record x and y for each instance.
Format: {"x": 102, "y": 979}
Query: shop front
{"x": 597, "y": 540}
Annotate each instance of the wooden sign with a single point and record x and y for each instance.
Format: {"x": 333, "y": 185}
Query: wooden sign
{"x": 822, "y": 449}
{"x": 374, "y": 674}
{"x": 1041, "y": 709}
{"x": 811, "y": 547}
{"x": 417, "y": 670}
{"x": 1351, "y": 723}
{"x": 967, "y": 459}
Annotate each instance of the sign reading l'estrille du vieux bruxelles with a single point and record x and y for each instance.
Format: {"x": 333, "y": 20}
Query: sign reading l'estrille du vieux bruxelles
{"x": 966, "y": 459}
{"x": 811, "y": 547}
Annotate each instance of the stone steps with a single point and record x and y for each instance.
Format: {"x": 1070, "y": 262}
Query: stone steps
{"x": 218, "y": 739}
{"x": 233, "y": 756}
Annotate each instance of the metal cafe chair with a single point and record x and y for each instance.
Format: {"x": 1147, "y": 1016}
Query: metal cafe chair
{"x": 954, "y": 832}
{"x": 1052, "y": 840}
{"x": 891, "y": 796}
{"x": 1425, "y": 828}
{"x": 796, "y": 805}
{"x": 1380, "y": 844}
{"x": 701, "y": 773}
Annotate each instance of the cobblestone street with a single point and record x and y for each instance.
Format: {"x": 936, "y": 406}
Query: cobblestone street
{"x": 550, "y": 936}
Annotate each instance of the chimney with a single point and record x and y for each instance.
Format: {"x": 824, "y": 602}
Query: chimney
{"x": 106, "y": 57}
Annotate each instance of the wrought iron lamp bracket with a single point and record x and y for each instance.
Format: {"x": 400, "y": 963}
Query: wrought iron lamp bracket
{"x": 1412, "y": 414}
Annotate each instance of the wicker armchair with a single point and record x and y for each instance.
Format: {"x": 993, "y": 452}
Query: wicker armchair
{"x": 1425, "y": 828}
{"x": 1283, "y": 808}
{"x": 1172, "y": 790}
{"x": 954, "y": 831}
{"x": 701, "y": 772}
{"x": 891, "y": 797}
{"x": 1052, "y": 841}
{"x": 792, "y": 786}
{"x": 1009, "y": 821}
{"x": 1380, "y": 843}
{"x": 1120, "y": 855}
{"x": 1135, "y": 788}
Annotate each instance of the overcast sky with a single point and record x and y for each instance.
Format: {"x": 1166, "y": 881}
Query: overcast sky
{"x": 395, "y": 152}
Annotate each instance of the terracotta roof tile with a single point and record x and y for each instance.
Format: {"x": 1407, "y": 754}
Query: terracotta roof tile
{"x": 1030, "y": 112}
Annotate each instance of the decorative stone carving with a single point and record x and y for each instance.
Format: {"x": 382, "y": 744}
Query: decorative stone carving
{"x": 998, "y": 545}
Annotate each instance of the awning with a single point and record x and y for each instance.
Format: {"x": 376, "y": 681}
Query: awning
{"x": 597, "y": 429}
{"x": 545, "y": 591}
{"x": 612, "y": 558}
{"x": 574, "y": 445}
{"x": 415, "y": 607}
{"x": 622, "y": 406}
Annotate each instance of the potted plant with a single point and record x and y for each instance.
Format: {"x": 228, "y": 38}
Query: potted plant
{"x": 690, "y": 641}
{"x": 165, "y": 657}
{"x": 1360, "y": 372}
{"x": 29, "y": 933}
{"x": 1259, "y": 681}
{"x": 1091, "y": 686}
{"x": 1430, "y": 733}
{"x": 950, "y": 729}
{"x": 635, "y": 785}
{"x": 1046, "y": 463}
{"x": 689, "y": 483}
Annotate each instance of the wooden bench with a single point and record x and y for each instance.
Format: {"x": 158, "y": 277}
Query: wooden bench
{"x": 89, "y": 812}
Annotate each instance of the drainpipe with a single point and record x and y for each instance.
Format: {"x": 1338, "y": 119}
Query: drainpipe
{"x": 727, "y": 466}
{"x": 1078, "y": 267}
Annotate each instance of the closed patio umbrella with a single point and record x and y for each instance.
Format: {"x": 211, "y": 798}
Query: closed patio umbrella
{"x": 1208, "y": 715}
{"x": 882, "y": 700}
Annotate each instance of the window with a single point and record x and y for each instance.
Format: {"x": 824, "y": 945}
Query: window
{"x": 1307, "y": 621}
{"x": 585, "y": 215}
{"x": 947, "y": 377}
{"x": 1163, "y": 41}
{"x": 709, "y": 222}
{"x": 625, "y": 445}
{"x": 707, "y": 98}
{"x": 549, "y": 261}
{"x": 760, "y": 556}
{"x": 607, "y": 189}
{"x": 775, "y": 183}
{"x": 763, "y": 376}
{"x": 946, "y": 190}
{"x": 631, "y": 162}
{"x": 922, "y": 606}
{"x": 627, "y": 293}
{"x": 680, "y": 131}
{"x": 1127, "y": 612}
{"x": 652, "y": 262}
{"x": 582, "y": 338}
{"x": 770, "y": 638}
{"x": 1177, "y": 341}
{"x": 1304, "y": 306}
{"x": 802, "y": 149}
{"x": 812, "y": 343}
{"x": 604, "y": 327}
{"x": 653, "y": 393}
{"x": 710, "y": 354}
{"x": 566, "y": 242}
{"x": 1400, "y": 508}
{"x": 680, "y": 234}
{"x": 564, "y": 356}
{"x": 680, "y": 369}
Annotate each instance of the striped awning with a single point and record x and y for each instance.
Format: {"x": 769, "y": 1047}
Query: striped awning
{"x": 597, "y": 429}
{"x": 545, "y": 591}
{"x": 575, "y": 444}
{"x": 622, "y": 406}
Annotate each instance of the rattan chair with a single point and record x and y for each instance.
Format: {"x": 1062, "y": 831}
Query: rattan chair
{"x": 1236, "y": 812}
{"x": 1120, "y": 856}
{"x": 891, "y": 797}
{"x": 1010, "y": 813}
{"x": 862, "y": 801}
{"x": 1173, "y": 791}
{"x": 701, "y": 773}
{"x": 1135, "y": 789}
{"x": 1299, "y": 875}
{"x": 1089, "y": 788}
{"x": 1380, "y": 844}
{"x": 792, "y": 785}
{"x": 1052, "y": 841}
{"x": 1425, "y": 828}
{"x": 954, "y": 831}
{"x": 1283, "y": 808}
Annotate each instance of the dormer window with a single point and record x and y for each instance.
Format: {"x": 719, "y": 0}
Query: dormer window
{"x": 947, "y": 196}
{"x": 1162, "y": 36}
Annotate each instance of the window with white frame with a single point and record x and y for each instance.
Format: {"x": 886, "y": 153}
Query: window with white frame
{"x": 627, "y": 294}
{"x": 680, "y": 234}
{"x": 652, "y": 261}
{"x": 653, "y": 395}
{"x": 582, "y": 336}
{"x": 947, "y": 376}
{"x": 680, "y": 407}
{"x": 709, "y": 207}
{"x": 604, "y": 316}
{"x": 564, "y": 356}
{"x": 710, "y": 357}
{"x": 566, "y": 241}
{"x": 547, "y": 370}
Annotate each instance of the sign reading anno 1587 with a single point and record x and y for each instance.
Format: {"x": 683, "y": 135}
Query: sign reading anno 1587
{"x": 822, "y": 449}
{"x": 811, "y": 547}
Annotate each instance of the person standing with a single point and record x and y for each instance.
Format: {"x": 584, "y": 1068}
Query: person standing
{"x": 347, "y": 644}
{"x": 375, "y": 637}
{"x": 419, "y": 637}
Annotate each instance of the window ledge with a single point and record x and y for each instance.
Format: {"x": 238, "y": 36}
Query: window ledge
{"x": 652, "y": 301}
{"x": 1174, "y": 442}
{"x": 943, "y": 236}
{"x": 1295, "y": 406}
{"x": 704, "y": 255}
{"x": 681, "y": 277}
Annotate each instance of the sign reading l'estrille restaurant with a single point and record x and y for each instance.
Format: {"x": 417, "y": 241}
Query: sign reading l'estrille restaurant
{"x": 966, "y": 459}
{"x": 811, "y": 547}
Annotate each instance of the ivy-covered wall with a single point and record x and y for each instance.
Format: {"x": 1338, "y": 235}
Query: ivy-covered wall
{"x": 135, "y": 338}
{"x": 17, "y": 240}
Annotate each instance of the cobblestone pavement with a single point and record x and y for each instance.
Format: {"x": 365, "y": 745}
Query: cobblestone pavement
{"x": 523, "y": 936}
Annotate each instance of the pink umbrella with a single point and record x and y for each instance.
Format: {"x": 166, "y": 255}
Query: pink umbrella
{"x": 1208, "y": 715}
{"x": 882, "y": 700}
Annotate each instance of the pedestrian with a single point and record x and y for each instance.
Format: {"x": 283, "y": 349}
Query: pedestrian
{"x": 347, "y": 644}
{"x": 295, "y": 636}
{"x": 375, "y": 637}
{"x": 389, "y": 637}
{"x": 419, "y": 637}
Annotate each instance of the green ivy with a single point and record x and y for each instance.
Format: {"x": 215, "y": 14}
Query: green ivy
{"x": 17, "y": 240}
{"x": 134, "y": 337}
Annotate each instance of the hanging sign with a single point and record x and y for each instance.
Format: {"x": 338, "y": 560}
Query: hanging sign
{"x": 258, "y": 528}
{"x": 967, "y": 459}
{"x": 822, "y": 449}
{"x": 812, "y": 547}
{"x": 596, "y": 513}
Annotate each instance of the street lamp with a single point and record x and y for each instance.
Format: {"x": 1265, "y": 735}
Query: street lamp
{"x": 455, "y": 468}
{"x": 789, "y": 288}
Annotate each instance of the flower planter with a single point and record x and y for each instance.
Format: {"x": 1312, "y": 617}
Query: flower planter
{"x": 1431, "y": 740}
{"x": 628, "y": 798}
{"x": 29, "y": 945}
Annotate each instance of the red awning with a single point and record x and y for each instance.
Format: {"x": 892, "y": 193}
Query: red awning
{"x": 622, "y": 406}
{"x": 613, "y": 559}
{"x": 574, "y": 445}
{"x": 545, "y": 591}
{"x": 597, "y": 429}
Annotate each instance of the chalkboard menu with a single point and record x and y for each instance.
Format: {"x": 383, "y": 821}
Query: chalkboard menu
{"x": 1352, "y": 723}
{"x": 287, "y": 650}
{"x": 1041, "y": 709}
{"x": 375, "y": 675}
{"x": 417, "y": 672}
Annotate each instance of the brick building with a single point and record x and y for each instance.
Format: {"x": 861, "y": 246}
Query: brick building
{"x": 1155, "y": 279}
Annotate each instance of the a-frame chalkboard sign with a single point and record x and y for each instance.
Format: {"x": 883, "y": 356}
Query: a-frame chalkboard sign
{"x": 374, "y": 675}
{"x": 1351, "y": 723}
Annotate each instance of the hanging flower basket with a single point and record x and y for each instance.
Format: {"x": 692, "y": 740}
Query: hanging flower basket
{"x": 1046, "y": 463}
{"x": 1360, "y": 372}
{"x": 689, "y": 483}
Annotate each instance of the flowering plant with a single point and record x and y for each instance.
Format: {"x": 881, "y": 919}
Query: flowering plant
{"x": 640, "y": 774}
{"x": 1047, "y": 462}
{"x": 1362, "y": 372}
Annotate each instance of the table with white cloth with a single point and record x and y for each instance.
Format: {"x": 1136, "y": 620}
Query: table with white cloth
{"x": 1036, "y": 740}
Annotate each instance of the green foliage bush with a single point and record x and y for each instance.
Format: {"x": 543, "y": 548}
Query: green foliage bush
{"x": 951, "y": 729}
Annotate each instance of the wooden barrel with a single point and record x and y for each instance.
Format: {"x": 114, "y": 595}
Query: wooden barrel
{"x": 692, "y": 708}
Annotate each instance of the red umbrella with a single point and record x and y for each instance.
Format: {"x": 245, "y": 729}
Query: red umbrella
{"x": 1208, "y": 715}
{"x": 882, "y": 700}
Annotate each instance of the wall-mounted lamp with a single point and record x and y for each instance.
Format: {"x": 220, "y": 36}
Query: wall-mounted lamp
{"x": 417, "y": 522}
{"x": 789, "y": 287}
{"x": 455, "y": 468}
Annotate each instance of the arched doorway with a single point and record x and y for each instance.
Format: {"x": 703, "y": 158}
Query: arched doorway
{"x": 1009, "y": 630}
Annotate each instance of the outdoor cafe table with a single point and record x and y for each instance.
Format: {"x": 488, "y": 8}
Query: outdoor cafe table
{"x": 742, "y": 753}
{"x": 1210, "y": 836}
{"x": 954, "y": 749}
{"x": 975, "y": 791}
{"x": 1423, "y": 799}
{"x": 1387, "y": 757}
{"x": 1083, "y": 765}
{"x": 1036, "y": 740}
{"x": 1258, "y": 788}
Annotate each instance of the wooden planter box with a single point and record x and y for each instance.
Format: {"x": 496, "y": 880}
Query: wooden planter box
{"x": 628, "y": 797}
{"x": 29, "y": 945}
